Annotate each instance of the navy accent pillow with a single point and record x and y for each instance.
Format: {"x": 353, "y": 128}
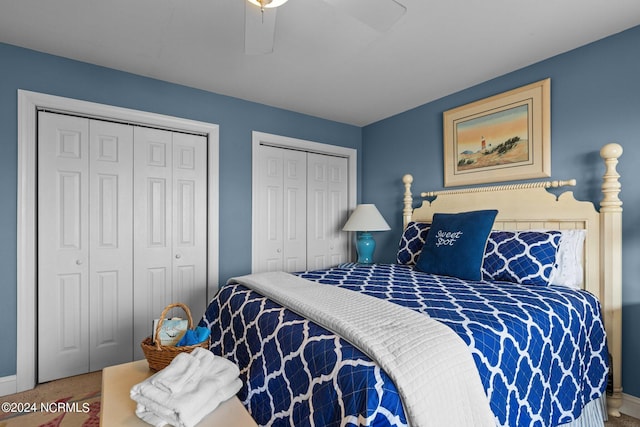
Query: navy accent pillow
{"x": 455, "y": 244}
{"x": 526, "y": 257}
{"x": 411, "y": 242}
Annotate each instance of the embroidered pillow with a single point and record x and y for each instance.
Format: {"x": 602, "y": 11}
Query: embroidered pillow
{"x": 455, "y": 244}
{"x": 525, "y": 257}
{"x": 411, "y": 242}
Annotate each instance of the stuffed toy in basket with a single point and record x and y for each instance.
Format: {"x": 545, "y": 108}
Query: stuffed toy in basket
{"x": 159, "y": 356}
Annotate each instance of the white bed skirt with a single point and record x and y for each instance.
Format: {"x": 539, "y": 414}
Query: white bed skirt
{"x": 594, "y": 414}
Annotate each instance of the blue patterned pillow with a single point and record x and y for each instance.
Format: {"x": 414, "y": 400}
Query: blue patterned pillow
{"x": 526, "y": 257}
{"x": 455, "y": 244}
{"x": 411, "y": 242}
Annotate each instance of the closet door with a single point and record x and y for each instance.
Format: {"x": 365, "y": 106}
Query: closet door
{"x": 84, "y": 245}
{"x": 280, "y": 227}
{"x": 294, "y": 210}
{"x": 327, "y": 199}
{"x": 190, "y": 222}
{"x": 152, "y": 228}
{"x": 118, "y": 205}
{"x": 110, "y": 244}
{"x": 63, "y": 246}
{"x": 170, "y": 226}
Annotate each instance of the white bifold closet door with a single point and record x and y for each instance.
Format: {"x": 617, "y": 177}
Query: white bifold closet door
{"x": 301, "y": 207}
{"x": 170, "y": 226}
{"x": 327, "y": 244}
{"x": 84, "y": 245}
{"x": 281, "y": 225}
{"x": 121, "y": 234}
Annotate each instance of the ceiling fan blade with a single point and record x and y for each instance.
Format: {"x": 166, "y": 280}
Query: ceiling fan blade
{"x": 380, "y": 15}
{"x": 259, "y": 29}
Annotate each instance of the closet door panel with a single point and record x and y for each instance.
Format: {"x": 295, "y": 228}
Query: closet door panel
{"x": 152, "y": 194}
{"x": 63, "y": 249}
{"x": 280, "y": 225}
{"x": 316, "y": 225}
{"x": 268, "y": 227}
{"x": 190, "y": 222}
{"x": 294, "y": 210}
{"x": 327, "y": 244}
{"x": 337, "y": 209}
{"x": 111, "y": 244}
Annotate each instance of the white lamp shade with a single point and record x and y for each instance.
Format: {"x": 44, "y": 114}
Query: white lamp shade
{"x": 366, "y": 217}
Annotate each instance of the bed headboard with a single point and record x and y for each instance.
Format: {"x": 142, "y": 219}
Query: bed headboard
{"x": 530, "y": 206}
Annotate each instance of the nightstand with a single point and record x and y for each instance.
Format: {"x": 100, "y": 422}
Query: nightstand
{"x": 117, "y": 408}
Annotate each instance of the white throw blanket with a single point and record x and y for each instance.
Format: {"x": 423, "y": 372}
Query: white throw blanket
{"x": 430, "y": 365}
{"x": 188, "y": 389}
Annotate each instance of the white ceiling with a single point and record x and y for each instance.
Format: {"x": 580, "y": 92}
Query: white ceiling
{"x": 325, "y": 63}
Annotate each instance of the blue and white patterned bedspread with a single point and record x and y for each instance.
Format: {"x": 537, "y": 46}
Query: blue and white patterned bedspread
{"x": 541, "y": 351}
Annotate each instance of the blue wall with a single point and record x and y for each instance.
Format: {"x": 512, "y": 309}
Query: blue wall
{"x": 29, "y": 70}
{"x": 595, "y": 99}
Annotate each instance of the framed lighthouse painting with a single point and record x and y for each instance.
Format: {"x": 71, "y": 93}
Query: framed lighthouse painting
{"x": 506, "y": 137}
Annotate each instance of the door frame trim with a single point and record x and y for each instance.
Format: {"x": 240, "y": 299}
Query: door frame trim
{"x": 28, "y": 105}
{"x": 261, "y": 138}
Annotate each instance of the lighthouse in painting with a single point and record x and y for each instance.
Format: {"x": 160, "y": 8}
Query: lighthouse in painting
{"x": 484, "y": 144}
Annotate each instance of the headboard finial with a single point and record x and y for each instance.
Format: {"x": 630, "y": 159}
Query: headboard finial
{"x": 610, "y": 180}
{"x": 611, "y": 150}
{"x": 408, "y": 200}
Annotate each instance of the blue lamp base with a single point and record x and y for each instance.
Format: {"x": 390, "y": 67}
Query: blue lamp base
{"x": 365, "y": 247}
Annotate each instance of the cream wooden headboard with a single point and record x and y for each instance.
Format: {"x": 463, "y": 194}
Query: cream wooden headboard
{"x": 530, "y": 206}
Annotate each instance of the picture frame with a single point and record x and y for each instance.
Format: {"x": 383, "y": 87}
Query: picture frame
{"x": 506, "y": 137}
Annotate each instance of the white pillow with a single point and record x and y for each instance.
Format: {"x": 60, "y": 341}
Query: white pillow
{"x": 568, "y": 270}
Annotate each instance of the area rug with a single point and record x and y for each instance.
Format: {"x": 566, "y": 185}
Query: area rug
{"x": 71, "y": 402}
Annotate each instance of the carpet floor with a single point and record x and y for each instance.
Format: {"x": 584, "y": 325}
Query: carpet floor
{"x": 623, "y": 421}
{"x": 75, "y": 402}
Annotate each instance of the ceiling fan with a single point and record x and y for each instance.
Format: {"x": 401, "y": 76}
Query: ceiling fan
{"x": 260, "y": 19}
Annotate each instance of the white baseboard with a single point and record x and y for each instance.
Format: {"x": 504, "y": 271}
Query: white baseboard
{"x": 8, "y": 385}
{"x": 630, "y": 405}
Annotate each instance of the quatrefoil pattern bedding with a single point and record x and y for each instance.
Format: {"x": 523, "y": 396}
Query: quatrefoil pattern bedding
{"x": 526, "y": 257}
{"x": 296, "y": 373}
{"x": 411, "y": 242}
{"x": 541, "y": 351}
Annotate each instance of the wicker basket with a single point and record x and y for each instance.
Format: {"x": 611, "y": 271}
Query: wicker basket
{"x": 159, "y": 356}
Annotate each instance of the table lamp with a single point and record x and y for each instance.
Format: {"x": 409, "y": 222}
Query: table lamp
{"x": 366, "y": 218}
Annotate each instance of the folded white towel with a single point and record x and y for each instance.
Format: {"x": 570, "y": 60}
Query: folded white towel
{"x": 192, "y": 416}
{"x": 209, "y": 368}
{"x": 149, "y": 417}
{"x": 185, "y": 411}
{"x": 199, "y": 391}
{"x": 215, "y": 366}
{"x": 173, "y": 378}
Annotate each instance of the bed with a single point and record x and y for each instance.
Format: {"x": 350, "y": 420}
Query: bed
{"x": 505, "y": 349}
